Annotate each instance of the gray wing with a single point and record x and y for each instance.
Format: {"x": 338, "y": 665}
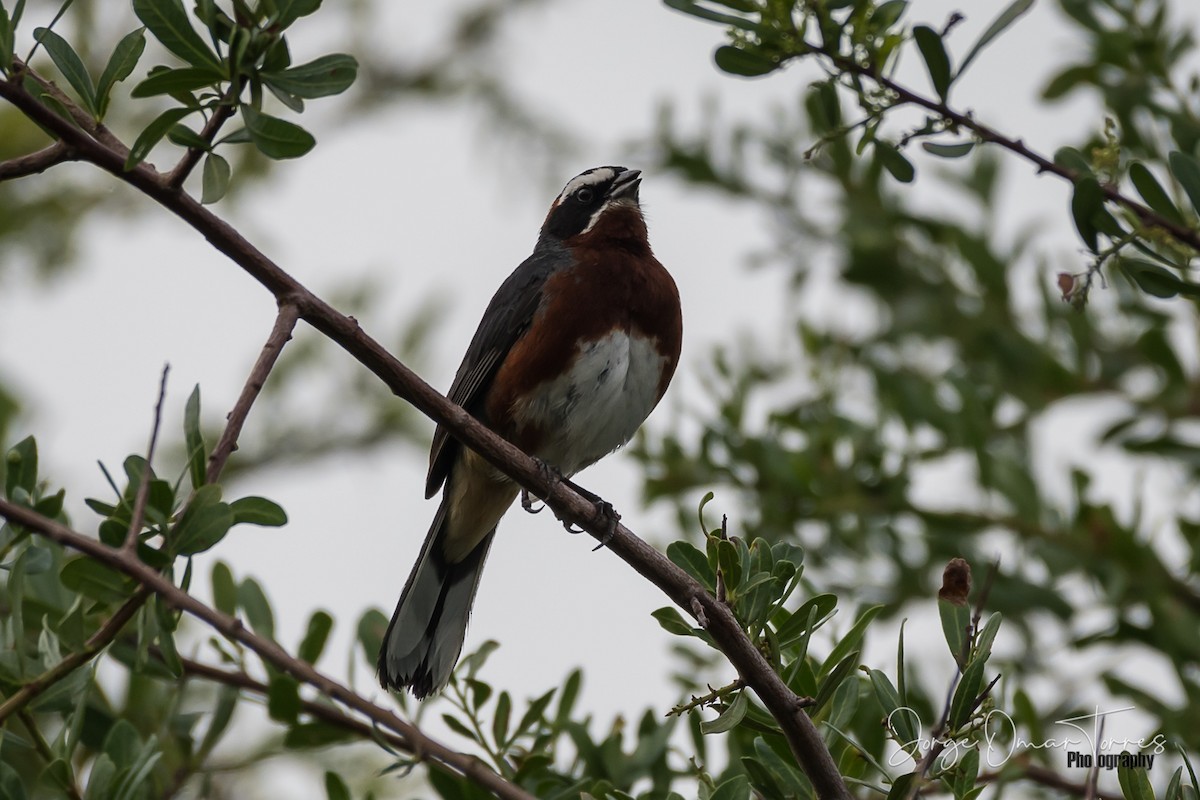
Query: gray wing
{"x": 504, "y": 322}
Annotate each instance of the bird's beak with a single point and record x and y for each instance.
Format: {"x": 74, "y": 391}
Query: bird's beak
{"x": 626, "y": 185}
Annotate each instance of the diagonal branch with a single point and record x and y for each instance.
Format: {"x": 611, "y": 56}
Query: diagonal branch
{"x": 33, "y": 163}
{"x": 98, "y": 641}
{"x": 231, "y": 627}
{"x": 281, "y": 333}
{"x": 784, "y": 705}
{"x": 1181, "y": 233}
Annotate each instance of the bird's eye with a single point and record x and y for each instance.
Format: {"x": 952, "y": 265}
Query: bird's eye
{"x": 584, "y": 196}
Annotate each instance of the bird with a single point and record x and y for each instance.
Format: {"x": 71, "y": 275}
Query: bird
{"x": 573, "y": 352}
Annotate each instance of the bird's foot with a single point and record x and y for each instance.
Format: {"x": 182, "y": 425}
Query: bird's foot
{"x": 551, "y": 476}
{"x": 527, "y": 503}
{"x": 603, "y": 508}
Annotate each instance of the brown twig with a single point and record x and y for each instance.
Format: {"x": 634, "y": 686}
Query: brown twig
{"x": 191, "y": 158}
{"x": 143, "y": 491}
{"x": 1181, "y": 233}
{"x": 784, "y": 705}
{"x": 273, "y": 654}
{"x": 43, "y": 748}
{"x": 33, "y": 163}
{"x": 285, "y": 323}
{"x": 1043, "y": 777}
{"x": 97, "y": 642}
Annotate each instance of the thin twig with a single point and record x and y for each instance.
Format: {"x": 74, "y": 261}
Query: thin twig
{"x": 1179, "y": 232}
{"x": 271, "y": 652}
{"x": 43, "y": 747}
{"x": 1043, "y": 777}
{"x": 33, "y": 163}
{"x": 785, "y": 706}
{"x": 191, "y": 158}
{"x": 143, "y": 491}
{"x": 285, "y": 323}
{"x": 708, "y": 699}
{"x": 97, "y": 642}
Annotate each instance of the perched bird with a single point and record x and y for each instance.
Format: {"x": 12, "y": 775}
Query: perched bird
{"x": 572, "y": 354}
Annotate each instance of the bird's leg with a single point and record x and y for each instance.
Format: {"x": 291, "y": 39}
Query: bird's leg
{"x": 603, "y": 508}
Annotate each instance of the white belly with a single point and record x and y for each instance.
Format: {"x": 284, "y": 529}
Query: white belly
{"x": 598, "y": 405}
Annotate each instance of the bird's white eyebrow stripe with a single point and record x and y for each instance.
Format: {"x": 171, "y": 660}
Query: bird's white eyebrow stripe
{"x": 589, "y": 178}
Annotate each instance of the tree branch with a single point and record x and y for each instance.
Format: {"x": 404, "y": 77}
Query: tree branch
{"x": 281, "y": 333}
{"x": 97, "y": 642}
{"x": 191, "y": 158}
{"x": 415, "y": 741}
{"x": 1181, "y": 233}
{"x": 143, "y": 491}
{"x": 784, "y": 705}
{"x": 33, "y": 163}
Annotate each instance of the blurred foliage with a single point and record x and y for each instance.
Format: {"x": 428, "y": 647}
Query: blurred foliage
{"x": 930, "y": 366}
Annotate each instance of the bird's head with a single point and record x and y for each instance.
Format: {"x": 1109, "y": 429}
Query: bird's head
{"x": 601, "y": 203}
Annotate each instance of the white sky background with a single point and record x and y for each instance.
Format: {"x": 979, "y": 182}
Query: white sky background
{"x": 412, "y": 197}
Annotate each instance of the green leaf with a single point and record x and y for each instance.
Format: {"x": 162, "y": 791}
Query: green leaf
{"x": 170, "y": 81}
{"x": 95, "y": 580}
{"x": 1186, "y": 170}
{"x": 153, "y": 133}
{"x": 747, "y": 63}
{"x": 688, "y": 558}
{"x": 313, "y": 644}
{"x": 7, "y": 36}
{"x": 797, "y": 623}
{"x": 288, "y": 11}
{"x": 315, "y": 734}
{"x": 327, "y": 75}
{"x": 894, "y": 162}
{"x": 851, "y": 640}
{"x": 1073, "y": 160}
{"x": 169, "y": 23}
{"x": 736, "y": 788}
{"x": 258, "y": 511}
{"x": 729, "y": 718}
{"x": 956, "y": 622}
{"x": 968, "y": 689}
{"x": 1135, "y": 783}
{"x": 956, "y": 150}
{"x": 836, "y": 676}
{"x": 283, "y": 698}
{"x": 1086, "y": 204}
{"x": 335, "y": 787}
{"x": 194, "y": 440}
{"x": 1007, "y": 17}
{"x": 537, "y": 708}
{"x": 203, "y": 524}
{"x": 500, "y": 719}
{"x": 254, "y": 602}
{"x": 184, "y": 136}
{"x": 21, "y": 466}
{"x": 224, "y": 589}
{"x": 227, "y": 697}
{"x": 902, "y": 721}
{"x": 369, "y": 632}
{"x": 1153, "y": 193}
{"x": 929, "y": 42}
{"x": 274, "y": 137}
{"x": 1155, "y": 280}
{"x": 672, "y": 621}
{"x": 120, "y": 66}
{"x": 70, "y": 65}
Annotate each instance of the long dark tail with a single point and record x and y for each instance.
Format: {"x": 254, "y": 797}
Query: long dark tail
{"x": 427, "y": 630}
